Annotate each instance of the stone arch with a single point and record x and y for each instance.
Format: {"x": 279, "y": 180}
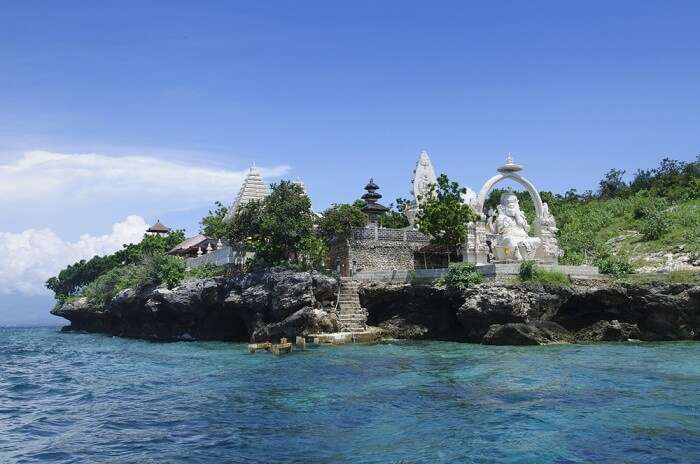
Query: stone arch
{"x": 534, "y": 193}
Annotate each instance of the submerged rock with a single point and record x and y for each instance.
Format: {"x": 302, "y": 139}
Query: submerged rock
{"x": 534, "y": 333}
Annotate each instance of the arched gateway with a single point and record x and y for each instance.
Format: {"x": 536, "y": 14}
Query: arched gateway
{"x": 505, "y": 237}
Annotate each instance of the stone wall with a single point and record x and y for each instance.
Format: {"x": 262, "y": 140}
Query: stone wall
{"x": 374, "y": 248}
{"x": 381, "y": 255}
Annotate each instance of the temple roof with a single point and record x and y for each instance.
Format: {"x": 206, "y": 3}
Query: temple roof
{"x": 158, "y": 228}
{"x": 253, "y": 188}
{"x": 191, "y": 243}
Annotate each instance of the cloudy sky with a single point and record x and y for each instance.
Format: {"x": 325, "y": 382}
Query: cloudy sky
{"x": 115, "y": 114}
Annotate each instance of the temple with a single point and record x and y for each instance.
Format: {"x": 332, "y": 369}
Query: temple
{"x": 253, "y": 188}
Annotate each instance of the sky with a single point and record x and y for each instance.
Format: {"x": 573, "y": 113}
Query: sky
{"x": 115, "y": 114}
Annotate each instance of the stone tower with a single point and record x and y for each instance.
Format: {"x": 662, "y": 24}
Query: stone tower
{"x": 253, "y": 188}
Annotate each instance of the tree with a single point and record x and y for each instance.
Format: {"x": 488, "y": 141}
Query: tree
{"x": 612, "y": 184}
{"x": 337, "y": 221}
{"x": 285, "y": 223}
{"x": 212, "y": 225}
{"x": 396, "y": 217}
{"x": 278, "y": 227}
{"x": 443, "y": 214}
{"x": 245, "y": 226}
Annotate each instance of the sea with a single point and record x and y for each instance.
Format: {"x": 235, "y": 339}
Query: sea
{"x": 87, "y": 398}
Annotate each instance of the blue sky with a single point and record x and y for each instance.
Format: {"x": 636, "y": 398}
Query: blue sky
{"x": 185, "y": 95}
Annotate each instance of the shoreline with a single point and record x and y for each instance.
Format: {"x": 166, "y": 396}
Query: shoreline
{"x": 272, "y": 304}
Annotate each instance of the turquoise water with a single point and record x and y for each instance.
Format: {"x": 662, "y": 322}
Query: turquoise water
{"x": 74, "y": 398}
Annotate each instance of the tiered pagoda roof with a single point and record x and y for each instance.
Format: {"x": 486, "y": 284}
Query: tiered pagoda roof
{"x": 373, "y": 209}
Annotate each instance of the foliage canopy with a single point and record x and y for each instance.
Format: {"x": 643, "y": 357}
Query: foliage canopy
{"x": 443, "y": 214}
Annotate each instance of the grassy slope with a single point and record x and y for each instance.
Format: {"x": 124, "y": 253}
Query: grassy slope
{"x": 589, "y": 229}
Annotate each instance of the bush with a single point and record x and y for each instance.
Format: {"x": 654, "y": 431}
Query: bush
{"x": 101, "y": 290}
{"x": 530, "y": 272}
{"x": 205, "y": 272}
{"x": 615, "y": 265}
{"x": 166, "y": 269}
{"x": 155, "y": 270}
{"x": 647, "y": 206}
{"x": 655, "y": 225}
{"x": 460, "y": 276}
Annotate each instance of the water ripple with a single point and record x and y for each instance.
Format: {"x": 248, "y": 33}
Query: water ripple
{"x": 82, "y": 398}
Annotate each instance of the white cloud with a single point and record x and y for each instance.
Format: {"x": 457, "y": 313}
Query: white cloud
{"x": 88, "y": 176}
{"x": 30, "y": 257}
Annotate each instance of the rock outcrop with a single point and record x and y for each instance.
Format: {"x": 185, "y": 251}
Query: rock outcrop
{"x": 268, "y": 304}
{"x": 412, "y": 311}
{"x": 281, "y": 303}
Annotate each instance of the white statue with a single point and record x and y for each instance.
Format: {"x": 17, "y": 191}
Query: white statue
{"x": 424, "y": 177}
{"x": 511, "y": 228}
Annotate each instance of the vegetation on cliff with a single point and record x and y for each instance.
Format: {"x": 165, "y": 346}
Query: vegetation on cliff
{"x": 101, "y": 276}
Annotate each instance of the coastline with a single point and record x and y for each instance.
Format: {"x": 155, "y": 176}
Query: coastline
{"x": 269, "y": 305}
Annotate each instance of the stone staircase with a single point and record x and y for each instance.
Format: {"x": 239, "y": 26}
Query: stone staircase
{"x": 353, "y": 318}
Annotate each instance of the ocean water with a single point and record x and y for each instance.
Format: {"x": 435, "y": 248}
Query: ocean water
{"x": 84, "y": 398}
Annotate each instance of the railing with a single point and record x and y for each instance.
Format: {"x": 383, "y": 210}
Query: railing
{"x": 222, "y": 257}
{"x": 417, "y": 275}
{"x": 395, "y": 235}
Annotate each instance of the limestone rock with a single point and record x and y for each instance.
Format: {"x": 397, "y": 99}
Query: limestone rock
{"x": 534, "y": 333}
{"x": 488, "y": 304}
{"x": 609, "y": 331}
{"x": 412, "y": 311}
{"x": 303, "y": 322}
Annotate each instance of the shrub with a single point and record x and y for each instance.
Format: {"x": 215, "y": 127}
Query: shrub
{"x": 614, "y": 265}
{"x": 655, "y": 225}
{"x": 532, "y": 273}
{"x": 166, "y": 269}
{"x": 460, "y": 276}
{"x": 204, "y": 272}
{"x": 647, "y": 206}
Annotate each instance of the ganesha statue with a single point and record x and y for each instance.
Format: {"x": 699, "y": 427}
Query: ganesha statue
{"x": 511, "y": 232}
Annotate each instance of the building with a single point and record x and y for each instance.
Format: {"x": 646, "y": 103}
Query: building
{"x": 373, "y": 248}
{"x": 158, "y": 229}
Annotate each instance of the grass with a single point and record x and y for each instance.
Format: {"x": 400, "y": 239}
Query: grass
{"x": 674, "y": 277}
{"x": 532, "y": 273}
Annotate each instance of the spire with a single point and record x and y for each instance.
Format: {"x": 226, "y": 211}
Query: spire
{"x": 510, "y": 166}
{"x": 423, "y": 176}
{"x": 253, "y": 188}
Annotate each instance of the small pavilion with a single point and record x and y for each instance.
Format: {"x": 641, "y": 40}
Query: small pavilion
{"x": 158, "y": 229}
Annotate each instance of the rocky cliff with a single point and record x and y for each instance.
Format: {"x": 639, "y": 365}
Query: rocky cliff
{"x": 281, "y": 303}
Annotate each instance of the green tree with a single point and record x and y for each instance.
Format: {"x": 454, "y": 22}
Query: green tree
{"x": 286, "y": 222}
{"x": 212, "y": 225}
{"x": 443, "y": 214}
{"x": 396, "y": 217}
{"x": 245, "y": 226}
{"x": 612, "y": 184}
{"x": 337, "y": 221}
{"x": 278, "y": 227}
